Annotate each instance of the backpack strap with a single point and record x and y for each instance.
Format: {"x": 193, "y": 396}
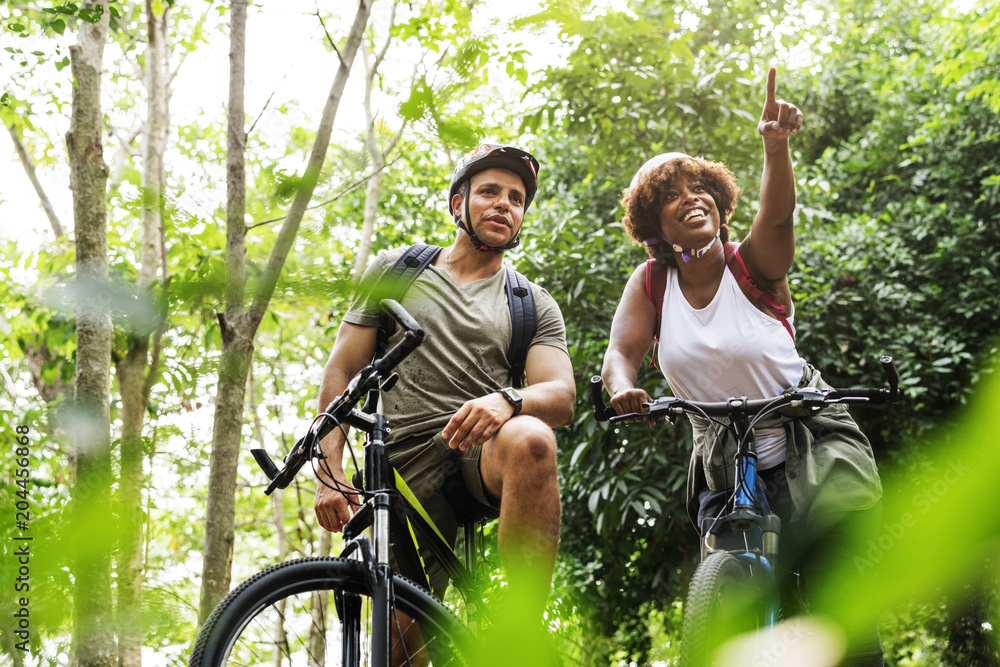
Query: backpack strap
{"x": 520, "y": 301}
{"x": 402, "y": 274}
{"x": 523, "y": 322}
{"x": 656, "y": 285}
{"x": 742, "y": 275}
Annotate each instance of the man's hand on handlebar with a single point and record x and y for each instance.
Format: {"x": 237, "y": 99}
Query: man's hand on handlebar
{"x": 334, "y": 508}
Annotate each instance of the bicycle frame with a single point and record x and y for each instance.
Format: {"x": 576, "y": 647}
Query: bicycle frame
{"x": 377, "y": 513}
{"x": 383, "y": 500}
{"x": 750, "y": 510}
{"x": 749, "y": 503}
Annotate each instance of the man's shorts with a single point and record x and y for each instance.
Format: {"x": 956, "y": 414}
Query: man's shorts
{"x": 425, "y": 464}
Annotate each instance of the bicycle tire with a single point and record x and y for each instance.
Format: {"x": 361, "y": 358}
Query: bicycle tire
{"x": 724, "y": 599}
{"x": 244, "y": 628}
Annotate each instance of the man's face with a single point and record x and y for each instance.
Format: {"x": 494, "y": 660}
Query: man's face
{"x": 496, "y": 206}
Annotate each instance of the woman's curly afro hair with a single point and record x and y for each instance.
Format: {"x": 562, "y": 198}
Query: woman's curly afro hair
{"x": 644, "y": 199}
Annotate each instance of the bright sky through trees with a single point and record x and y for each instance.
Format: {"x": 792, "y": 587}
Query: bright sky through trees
{"x": 289, "y": 69}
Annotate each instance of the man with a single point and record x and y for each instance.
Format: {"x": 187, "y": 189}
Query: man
{"x": 453, "y": 407}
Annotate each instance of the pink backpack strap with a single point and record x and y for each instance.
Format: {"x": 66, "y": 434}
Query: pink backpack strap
{"x": 742, "y": 275}
{"x": 656, "y": 285}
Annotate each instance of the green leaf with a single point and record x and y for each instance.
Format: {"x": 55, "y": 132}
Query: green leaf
{"x": 92, "y": 15}
{"x": 595, "y": 497}
{"x": 415, "y": 107}
{"x": 58, "y": 26}
{"x": 62, "y": 64}
{"x": 457, "y": 133}
{"x": 576, "y": 454}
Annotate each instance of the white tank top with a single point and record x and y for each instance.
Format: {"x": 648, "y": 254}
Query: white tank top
{"x": 728, "y": 348}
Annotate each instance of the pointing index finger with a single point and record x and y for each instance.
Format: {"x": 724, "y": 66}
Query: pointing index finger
{"x": 771, "y": 75}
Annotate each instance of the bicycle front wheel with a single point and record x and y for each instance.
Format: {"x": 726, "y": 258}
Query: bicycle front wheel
{"x": 724, "y": 599}
{"x": 316, "y": 612}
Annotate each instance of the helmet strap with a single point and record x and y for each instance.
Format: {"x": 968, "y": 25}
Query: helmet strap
{"x": 686, "y": 253}
{"x": 480, "y": 246}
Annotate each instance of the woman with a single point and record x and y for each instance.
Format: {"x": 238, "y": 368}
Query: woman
{"x": 721, "y": 335}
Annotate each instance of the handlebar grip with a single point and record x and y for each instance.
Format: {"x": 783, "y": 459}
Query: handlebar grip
{"x": 889, "y": 368}
{"x": 872, "y": 395}
{"x": 293, "y": 463}
{"x": 412, "y": 339}
{"x": 602, "y": 411}
{"x": 265, "y": 463}
{"x": 403, "y": 318}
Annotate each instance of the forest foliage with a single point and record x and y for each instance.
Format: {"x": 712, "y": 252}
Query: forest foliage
{"x": 898, "y": 229}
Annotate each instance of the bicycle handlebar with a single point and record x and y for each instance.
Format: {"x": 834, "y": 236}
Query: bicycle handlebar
{"x": 810, "y": 398}
{"x": 341, "y": 409}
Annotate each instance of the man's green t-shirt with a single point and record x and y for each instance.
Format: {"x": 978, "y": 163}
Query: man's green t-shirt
{"x": 464, "y": 353}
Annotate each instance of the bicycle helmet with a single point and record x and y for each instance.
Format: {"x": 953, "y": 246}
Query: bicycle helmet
{"x": 654, "y": 162}
{"x": 489, "y": 156}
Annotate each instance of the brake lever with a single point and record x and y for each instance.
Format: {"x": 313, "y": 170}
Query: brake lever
{"x": 811, "y": 398}
{"x": 664, "y": 408}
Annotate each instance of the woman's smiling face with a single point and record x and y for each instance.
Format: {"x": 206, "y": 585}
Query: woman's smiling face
{"x": 689, "y": 216}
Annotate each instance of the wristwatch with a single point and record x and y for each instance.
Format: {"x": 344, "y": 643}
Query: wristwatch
{"x": 513, "y": 398}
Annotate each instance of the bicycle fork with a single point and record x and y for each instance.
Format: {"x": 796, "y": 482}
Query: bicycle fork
{"x": 750, "y": 510}
{"x": 375, "y": 556}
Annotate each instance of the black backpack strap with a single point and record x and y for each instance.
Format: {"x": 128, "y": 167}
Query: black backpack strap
{"x": 401, "y": 276}
{"x": 523, "y": 321}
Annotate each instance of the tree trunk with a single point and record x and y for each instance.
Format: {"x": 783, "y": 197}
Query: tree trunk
{"x": 133, "y": 368}
{"x": 318, "y": 608}
{"x": 130, "y": 371}
{"x": 374, "y": 186}
{"x": 239, "y": 325}
{"x": 372, "y": 191}
{"x": 93, "y": 625}
{"x": 236, "y": 348}
{"x": 377, "y": 155}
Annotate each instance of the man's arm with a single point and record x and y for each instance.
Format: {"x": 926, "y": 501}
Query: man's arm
{"x": 352, "y": 351}
{"x": 549, "y": 396}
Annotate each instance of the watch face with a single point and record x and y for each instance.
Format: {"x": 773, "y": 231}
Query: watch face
{"x": 511, "y": 394}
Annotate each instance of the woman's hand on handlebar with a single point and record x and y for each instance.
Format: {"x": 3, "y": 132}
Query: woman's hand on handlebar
{"x": 334, "y": 508}
{"x": 626, "y": 401}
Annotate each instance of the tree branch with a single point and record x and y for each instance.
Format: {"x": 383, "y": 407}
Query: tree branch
{"x": 121, "y": 154}
{"x": 29, "y": 169}
{"x": 286, "y": 236}
{"x": 328, "y": 38}
{"x": 186, "y": 52}
{"x": 385, "y": 47}
{"x": 264, "y": 108}
{"x": 340, "y": 195}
